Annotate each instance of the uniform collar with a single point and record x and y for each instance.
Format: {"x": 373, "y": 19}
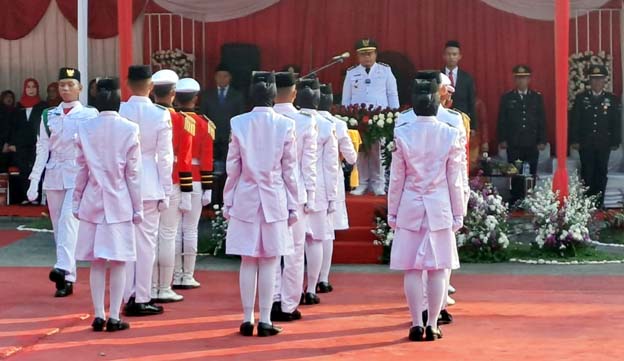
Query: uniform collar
{"x": 139, "y": 99}
{"x": 109, "y": 113}
{"x": 311, "y": 111}
{"x": 430, "y": 118}
{"x": 285, "y": 107}
{"x": 75, "y": 106}
{"x": 262, "y": 110}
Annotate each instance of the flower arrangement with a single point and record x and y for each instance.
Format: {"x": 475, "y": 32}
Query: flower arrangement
{"x": 484, "y": 236}
{"x": 383, "y": 233}
{"x": 579, "y": 64}
{"x": 562, "y": 228}
{"x": 174, "y": 59}
{"x": 375, "y": 124}
{"x": 614, "y": 219}
{"x": 218, "y": 231}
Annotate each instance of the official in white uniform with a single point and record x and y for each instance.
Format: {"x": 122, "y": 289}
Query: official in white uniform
{"x": 260, "y": 199}
{"x": 425, "y": 205}
{"x": 320, "y": 223}
{"x": 289, "y": 280}
{"x": 348, "y": 156}
{"x": 107, "y": 200}
{"x": 154, "y": 124}
{"x": 56, "y": 152}
{"x": 370, "y": 83}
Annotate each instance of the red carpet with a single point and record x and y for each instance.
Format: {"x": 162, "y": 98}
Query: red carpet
{"x": 509, "y": 318}
{"x": 9, "y": 236}
{"x": 355, "y": 245}
{"x": 23, "y": 211}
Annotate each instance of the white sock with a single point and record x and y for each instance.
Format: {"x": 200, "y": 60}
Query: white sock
{"x": 117, "y": 283}
{"x": 266, "y": 283}
{"x": 413, "y": 288}
{"x": 447, "y": 277}
{"x": 436, "y": 294}
{"x": 247, "y": 282}
{"x": 97, "y": 282}
{"x": 328, "y": 251}
{"x": 314, "y": 258}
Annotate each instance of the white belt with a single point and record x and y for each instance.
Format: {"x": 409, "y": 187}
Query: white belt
{"x": 195, "y": 161}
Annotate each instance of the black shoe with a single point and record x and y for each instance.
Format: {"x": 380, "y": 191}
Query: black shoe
{"x": 143, "y": 309}
{"x": 116, "y": 325}
{"x": 312, "y": 299}
{"x": 278, "y": 315}
{"x": 416, "y": 333}
{"x": 302, "y": 300}
{"x": 445, "y": 318}
{"x": 246, "y": 329}
{"x": 324, "y": 287}
{"x": 265, "y": 329}
{"x": 98, "y": 324}
{"x": 66, "y": 291}
{"x": 57, "y": 276}
{"x": 431, "y": 334}
{"x": 425, "y": 316}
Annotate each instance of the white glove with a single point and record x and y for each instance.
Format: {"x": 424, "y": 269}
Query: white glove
{"x": 163, "y": 204}
{"x": 392, "y": 221}
{"x": 458, "y": 223}
{"x": 226, "y": 213}
{"x": 292, "y": 218}
{"x": 331, "y": 207}
{"x": 307, "y": 208}
{"x": 185, "y": 202}
{"x": 137, "y": 217}
{"x": 206, "y": 197}
{"x": 33, "y": 190}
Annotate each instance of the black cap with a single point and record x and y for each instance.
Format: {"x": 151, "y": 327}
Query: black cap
{"x": 326, "y": 89}
{"x": 429, "y": 75}
{"x": 308, "y": 83}
{"x": 366, "y": 45}
{"x": 223, "y": 67}
{"x": 521, "y": 70}
{"x": 139, "y": 72}
{"x": 69, "y": 73}
{"x": 263, "y": 76}
{"x": 598, "y": 71}
{"x": 285, "y": 79}
{"x": 452, "y": 44}
{"x": 110, "y": 84}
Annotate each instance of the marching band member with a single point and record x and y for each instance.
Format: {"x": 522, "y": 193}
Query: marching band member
{"x": 319, "y": 217}
{"x": 183, "y": 130}
{"x": 107, "y": 200}
{"x": 348, "y": 156}
{"x": 289, "y": 281}
{"x": 154, "y": 123}
{"x": 260, "y": 199}
{"x": 56, "y": 152}
{"x": 186, "y": 239}
{"x": 425, "y": 205}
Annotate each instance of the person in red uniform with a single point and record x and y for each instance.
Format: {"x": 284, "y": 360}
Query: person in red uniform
{"x": 183, "y": 129}
{"x": 186, "y": 239}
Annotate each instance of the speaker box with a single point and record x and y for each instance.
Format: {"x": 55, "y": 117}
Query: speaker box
{"x": 241, "y": 59}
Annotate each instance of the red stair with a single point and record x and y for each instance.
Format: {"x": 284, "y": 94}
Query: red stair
{"x": 355, "y": 245}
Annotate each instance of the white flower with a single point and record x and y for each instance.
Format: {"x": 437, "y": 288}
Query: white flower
{"x": 389, "y": 120}
{"x": 396, "y": 114}
{"x": 370, "y": 121}
{"x": 380, "y": 123}
{"x": 391, "y": 146}
{"x": 382, "y": 116}
{"x": 390, "y": 115}
{"x": 375, "y": 117}
{"x": 353, "y": 122}
{"x": 215, "y": 207}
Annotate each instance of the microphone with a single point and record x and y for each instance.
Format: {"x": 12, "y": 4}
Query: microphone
{"x": 341, "y": 56}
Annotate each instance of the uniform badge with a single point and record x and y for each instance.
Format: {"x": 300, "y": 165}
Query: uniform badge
{"x": 70, "y": 72}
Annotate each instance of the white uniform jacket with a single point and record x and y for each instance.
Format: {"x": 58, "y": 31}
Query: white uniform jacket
{"x": 377, "y": 87}
{"x": 261, "y": 162}
{"x": 154, "y": 123}
{"x": 326, "y": 163}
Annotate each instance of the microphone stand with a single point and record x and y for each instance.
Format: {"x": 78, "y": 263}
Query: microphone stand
{"x": 334, "y": 62}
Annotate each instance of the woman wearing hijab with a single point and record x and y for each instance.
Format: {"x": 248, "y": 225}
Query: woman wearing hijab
{"x": 7, "y": 108}
{"x": 23, "y": 136}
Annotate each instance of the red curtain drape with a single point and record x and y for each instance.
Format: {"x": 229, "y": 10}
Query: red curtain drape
{"x": 102, "y": 15}
{"x": 20, "y": 17}
{"x": 310, "y": 32}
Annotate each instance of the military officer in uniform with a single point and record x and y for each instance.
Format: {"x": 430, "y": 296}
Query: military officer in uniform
{"x": 56, "y": 152}
{"x": 154, "y": 123}
{"x": 370, "y": 83}
{"x": 595, "y": 130}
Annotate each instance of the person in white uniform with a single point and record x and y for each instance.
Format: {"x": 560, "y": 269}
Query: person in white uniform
{"x": 154, "y": 124}
{"x": 56, "y": 153}
{"x": 320, "y": 223}
{"x": 370, "y": 83}
{"x": 348, "y": 157}
{"x": 289, "y": 280}
{"x": 260, "y": 199}
{"x": 425, "y": 205}
{"x": 107, "y": 200}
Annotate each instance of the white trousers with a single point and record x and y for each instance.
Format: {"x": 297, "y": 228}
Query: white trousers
{"x": 186, "y": 237}
{"x": 369, "y": 168}
{"x": 289, "y": 281}
{"x": 165, "y": 247}
{"x": 139, "y": 273}
{"x": 65, "y": 227}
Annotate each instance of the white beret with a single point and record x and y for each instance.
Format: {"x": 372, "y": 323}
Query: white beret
{"x": 187, "y": 85}
{"x": 165, "y": 77}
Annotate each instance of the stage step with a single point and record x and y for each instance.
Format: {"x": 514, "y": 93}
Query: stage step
{"x": 353, "y": 252}
{"x": 356, "y": 234}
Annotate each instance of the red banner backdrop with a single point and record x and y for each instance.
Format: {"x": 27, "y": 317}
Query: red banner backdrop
{"x": 310, "y": 32}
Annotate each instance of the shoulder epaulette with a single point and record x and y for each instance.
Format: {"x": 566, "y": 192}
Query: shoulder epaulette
{"x": 160, "y": 106}
{"x": 383, "y": 64}
{"x": 189, "y": 123}
{"x": 305, "y": 113}
{"x": 212, "y": 128}
{"x": 351, "y": 68}
{"x": 454, "y": 112}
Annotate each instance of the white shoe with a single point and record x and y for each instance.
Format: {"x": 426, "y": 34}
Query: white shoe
{"x": 379, "y": 192}
{"x": 360, "y": 190}
{"x": 154, "y": 293}
{"x": 451, "y": 290}
{"x": 189, "y": 282}
{"x": 167, "y": 295}
{"x": 450, "y": 301}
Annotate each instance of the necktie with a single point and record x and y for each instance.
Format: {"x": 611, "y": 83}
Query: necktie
{"x": 367, "y": 70}
{"x": 452, "y": 78}
{"x": 221, "y": 95}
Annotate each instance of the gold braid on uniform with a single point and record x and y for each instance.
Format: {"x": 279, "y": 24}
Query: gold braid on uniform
{"x": 186, "y": 181}
{"x": 207, "y": 179}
